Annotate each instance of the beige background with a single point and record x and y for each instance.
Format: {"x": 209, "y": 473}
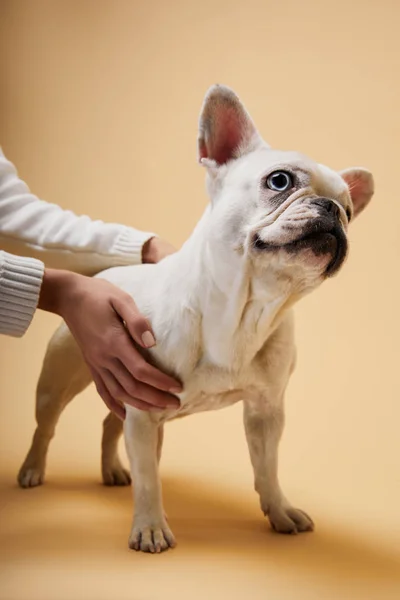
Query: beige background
{"x": 99, "y": 107}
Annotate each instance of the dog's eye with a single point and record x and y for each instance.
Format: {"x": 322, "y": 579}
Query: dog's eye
{"x": 280, "y": 181}
{"x": 348, "y": 214}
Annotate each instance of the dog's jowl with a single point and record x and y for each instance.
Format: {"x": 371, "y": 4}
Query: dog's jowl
{"x": 221, "y": 308}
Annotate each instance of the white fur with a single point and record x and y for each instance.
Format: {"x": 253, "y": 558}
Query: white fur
{"x": 221, "y": 311}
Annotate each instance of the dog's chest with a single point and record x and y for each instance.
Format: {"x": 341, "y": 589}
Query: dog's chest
{"x": 212, "y": 388}
{"x": 203, "y": 402}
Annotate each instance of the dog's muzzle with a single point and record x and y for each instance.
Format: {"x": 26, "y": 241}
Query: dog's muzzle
{"x": 323, "y": 235}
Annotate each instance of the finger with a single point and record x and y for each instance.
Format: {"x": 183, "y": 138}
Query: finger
{"x": 107, "y": 398}
{"x": 137, "y": 325}
{"x": 115, "y": 407}
{"x": 123, "y": 395}
{"x": 141, "y": 370}
{"x": 142, "y": 391}
{"x": 140, "y": 404}
{"x": 114, "y": 388}
{"x": 120, "y": 393}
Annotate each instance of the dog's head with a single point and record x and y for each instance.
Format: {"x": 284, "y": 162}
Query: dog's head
{"x": 281, "y": 209}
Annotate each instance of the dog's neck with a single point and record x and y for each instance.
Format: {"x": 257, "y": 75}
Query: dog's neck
{"x": 239, "y": 306}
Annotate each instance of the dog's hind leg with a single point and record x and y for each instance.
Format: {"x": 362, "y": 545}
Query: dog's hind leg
{"x": 64, "y": 375}
{"x": 111, "y": 467}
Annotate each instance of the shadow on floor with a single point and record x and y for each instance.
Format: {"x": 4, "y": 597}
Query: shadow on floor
{"x": 77, "y": 518}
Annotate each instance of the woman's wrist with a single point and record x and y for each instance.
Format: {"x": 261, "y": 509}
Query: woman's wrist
{"x": 56, "y": 288}
{"x": 155, "y": 249}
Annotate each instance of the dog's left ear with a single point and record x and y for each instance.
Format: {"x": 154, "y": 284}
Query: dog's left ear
{"x": 361, "y": 187}
{"x": 226, "y": 130}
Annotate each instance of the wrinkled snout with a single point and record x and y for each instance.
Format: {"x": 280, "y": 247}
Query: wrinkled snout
{"x": 326, "y": 219}
{"x": 322, "y": 233}
{"x": 325, "y": 235}
{"x": 328, "y": 208}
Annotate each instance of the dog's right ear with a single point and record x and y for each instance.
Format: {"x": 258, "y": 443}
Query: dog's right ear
{"x": 226, "y": 131}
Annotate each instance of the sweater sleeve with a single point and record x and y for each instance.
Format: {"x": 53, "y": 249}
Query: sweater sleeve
{"x": 20, "y": 283}
{"x": 61, "y": 239}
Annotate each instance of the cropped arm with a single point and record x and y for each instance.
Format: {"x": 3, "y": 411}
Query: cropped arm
{"x": 32, "y": 227}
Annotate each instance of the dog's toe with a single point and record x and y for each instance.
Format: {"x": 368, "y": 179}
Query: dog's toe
{"x": 154, "y": 539}
{"x": 116, "y": 476}
{"x": 290, "y": 520}
{"x": 30, "y": 477}
{"x": 301, "y": 519}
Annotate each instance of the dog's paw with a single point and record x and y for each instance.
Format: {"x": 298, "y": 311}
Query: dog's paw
{"x": 152, "y": 538}
{"x": 30, "y": 476}
{"x": 115, "y": 475}
{"x": 289, "y": 520}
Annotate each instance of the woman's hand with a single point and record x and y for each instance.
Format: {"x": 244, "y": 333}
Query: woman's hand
{"x": 155, "y": 249}
{"x": 95, "y": 312}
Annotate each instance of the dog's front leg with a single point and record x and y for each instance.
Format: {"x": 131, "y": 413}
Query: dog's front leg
{"x": 264, "y": 422}
{"x": 150, "y": 531}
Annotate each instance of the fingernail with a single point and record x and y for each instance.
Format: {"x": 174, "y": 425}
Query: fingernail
{"x": 174, "y": 405}
{"x": 175, "y": 390}
{"x": 148, "y": 339}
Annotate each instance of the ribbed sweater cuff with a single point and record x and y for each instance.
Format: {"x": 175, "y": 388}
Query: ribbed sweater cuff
{"x": 20, "y": 283}
{"x": 129, "y": 246}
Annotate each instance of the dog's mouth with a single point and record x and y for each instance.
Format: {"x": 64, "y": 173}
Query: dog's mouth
{"x": 332, "y": 242}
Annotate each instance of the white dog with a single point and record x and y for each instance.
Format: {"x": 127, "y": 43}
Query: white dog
{"x": 221, "y": 309}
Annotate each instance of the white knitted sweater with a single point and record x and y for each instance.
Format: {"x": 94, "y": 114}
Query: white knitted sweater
{"x": 54, "y": 237}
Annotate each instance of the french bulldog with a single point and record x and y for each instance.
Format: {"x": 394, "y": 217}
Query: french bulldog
{"x": 221, "y": 308}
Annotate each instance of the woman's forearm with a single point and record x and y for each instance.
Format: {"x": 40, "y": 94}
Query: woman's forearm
{"x": 61, "y": 239}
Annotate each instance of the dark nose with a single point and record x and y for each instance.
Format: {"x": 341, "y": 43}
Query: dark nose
{"x": 330, "y": 207}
